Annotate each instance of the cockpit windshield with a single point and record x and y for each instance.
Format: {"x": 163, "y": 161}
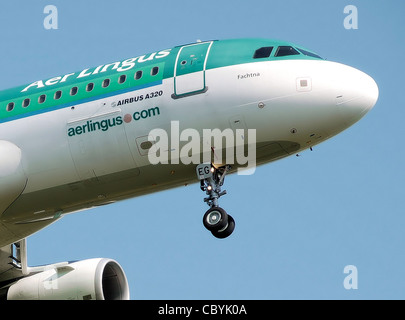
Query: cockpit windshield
{"x": 309, "y": 54}
{"x": 283, "y": 51}
{"x": 263, "y": 52}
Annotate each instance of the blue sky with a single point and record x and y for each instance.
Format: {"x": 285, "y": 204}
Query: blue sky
{"x": 299, "y": 221}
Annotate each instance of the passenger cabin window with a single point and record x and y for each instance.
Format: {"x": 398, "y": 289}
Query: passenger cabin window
{"x": 58, "y": 95}
{"x": 90, "y": 87}
{"x": 309, "y": 54}
{"x": 138, "y": 75}
{"x": 154, "y": 71}
{"x": 122, "y": 79}
{"x": 263, "y": 52}
{"x": 106, "y": 83}
{"x": 283, "y": 51}
{"x": 26, "y": 103}
{"x": 73, "y": 91}
{"x": 42, "y": 98}
{"x": 10, "y": 106}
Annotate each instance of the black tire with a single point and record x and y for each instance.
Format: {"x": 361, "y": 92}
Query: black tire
{"x": 215, "y": 218}
{"x": 224, "y": 233}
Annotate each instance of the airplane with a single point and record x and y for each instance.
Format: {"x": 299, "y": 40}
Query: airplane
{"x": 136, "y": 126}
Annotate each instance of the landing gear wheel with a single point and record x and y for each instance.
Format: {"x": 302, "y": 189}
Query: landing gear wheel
{"x": 225, "y": 232}
{"x": 215, "y": 219}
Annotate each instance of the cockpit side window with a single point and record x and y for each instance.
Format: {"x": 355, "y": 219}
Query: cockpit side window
{"x": 263, "y": 52}
{"x": 309, "y": 54}
{"x": 283, "y": 51}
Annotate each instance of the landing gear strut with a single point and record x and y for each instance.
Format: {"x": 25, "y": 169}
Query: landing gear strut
{"x": 215, "y": 219}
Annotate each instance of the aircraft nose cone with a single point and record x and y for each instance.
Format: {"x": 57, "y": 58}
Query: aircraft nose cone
{"x": 368, "y": 91}
{"x": 359, "y": 95}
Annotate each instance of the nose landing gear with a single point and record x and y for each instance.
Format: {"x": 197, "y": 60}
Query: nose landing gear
{"x": 215, "y": 219}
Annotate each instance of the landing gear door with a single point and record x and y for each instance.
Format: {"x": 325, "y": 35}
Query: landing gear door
{"x": 203, "y": 171}
{"x": 189, "y": 70}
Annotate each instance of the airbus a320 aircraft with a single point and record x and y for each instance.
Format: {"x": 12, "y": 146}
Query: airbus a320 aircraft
{"x": 96, "y": 136}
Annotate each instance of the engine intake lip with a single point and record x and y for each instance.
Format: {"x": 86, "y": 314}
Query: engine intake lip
{"x": 111, "y": 282}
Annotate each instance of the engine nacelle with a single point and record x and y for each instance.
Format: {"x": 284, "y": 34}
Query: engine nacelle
{"x": 92, "y": 279}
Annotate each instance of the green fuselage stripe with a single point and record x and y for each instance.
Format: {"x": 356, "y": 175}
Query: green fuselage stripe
{"x": 82, "y": 96}
{"x": 76, "y": 102}
{"x": 222, "y": 53}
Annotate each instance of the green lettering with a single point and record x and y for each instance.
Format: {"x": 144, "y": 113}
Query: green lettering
{"x": 152, "y": 112}
{"x": 96, "y": 124}
{"x": 118, "y": 120}
{"x": 71, "y": 132}
{"x": 104, "y": 125}
{"x": 144, "y": 114}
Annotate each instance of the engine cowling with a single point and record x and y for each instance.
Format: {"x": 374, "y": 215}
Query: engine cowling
{"x": 92, "y": 279}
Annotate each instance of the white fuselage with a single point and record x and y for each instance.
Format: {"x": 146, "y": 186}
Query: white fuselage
{"x": 292, "y": 105}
